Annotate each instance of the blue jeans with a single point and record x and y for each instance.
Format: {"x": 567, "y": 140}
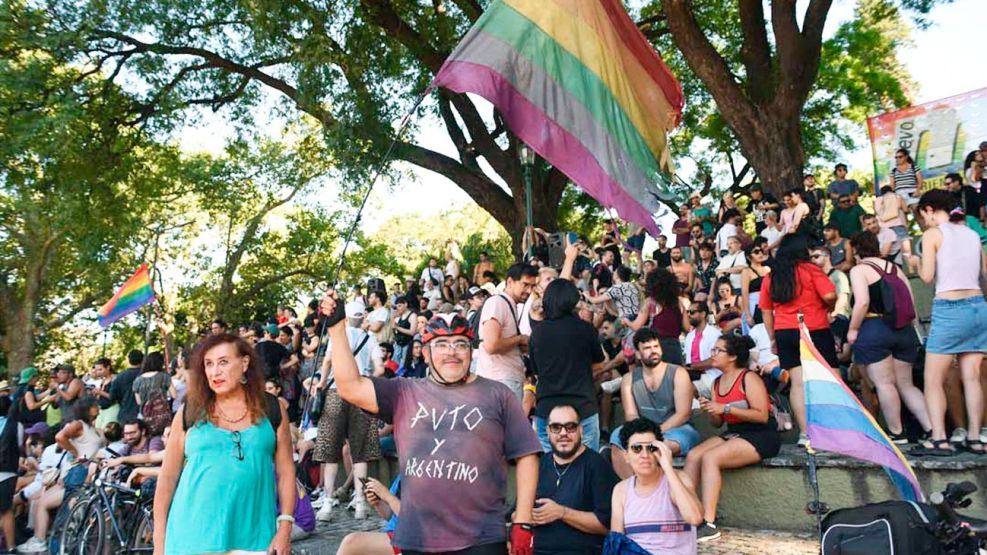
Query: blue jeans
{"x": 516, "y": 387}
{"x": 591, "y": 432}
{"x": 400, "y": 352}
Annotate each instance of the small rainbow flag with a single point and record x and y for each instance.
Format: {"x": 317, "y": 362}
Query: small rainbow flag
{"x": 577, "y": 81}
{"x": 838, "y": 423}
{"x": 135, "y": 293}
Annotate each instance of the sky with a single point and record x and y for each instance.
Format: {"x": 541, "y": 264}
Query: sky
{"x": 939, "y": 61}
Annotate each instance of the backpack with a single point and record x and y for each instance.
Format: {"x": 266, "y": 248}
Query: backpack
{"x": 156, "y": 412}
{"x": 890, "y": 527}
{"x": 899, "y": 309}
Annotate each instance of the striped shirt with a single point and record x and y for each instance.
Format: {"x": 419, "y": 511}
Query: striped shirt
{"x": 906, "y": 183}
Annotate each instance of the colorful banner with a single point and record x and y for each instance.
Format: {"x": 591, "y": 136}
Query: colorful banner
{"x": 938, "y": 134}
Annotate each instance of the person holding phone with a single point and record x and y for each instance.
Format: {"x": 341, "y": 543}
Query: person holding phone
{"x": 656, "y": 508}
{"x": 741, "y": 401}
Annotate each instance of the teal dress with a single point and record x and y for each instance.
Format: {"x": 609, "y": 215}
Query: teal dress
{"x": 223, "y": 503}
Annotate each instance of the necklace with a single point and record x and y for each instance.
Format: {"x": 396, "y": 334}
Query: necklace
{"x": 222, "y": 415}
{"x": 559, "y": 475}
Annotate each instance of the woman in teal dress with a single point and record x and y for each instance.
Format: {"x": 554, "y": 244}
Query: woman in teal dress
{"x": 216, "y": 489}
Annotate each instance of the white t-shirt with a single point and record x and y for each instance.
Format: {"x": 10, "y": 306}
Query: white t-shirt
{"x": 434, "y": 273}
{"x": 434, "y": 296}
{"x": 762, "y": 345}
{"x": 452, "y": 269}
{"x": 738, "y": 260}
{"x": 368, "y": 357}
{"x": 726, "y": 232}
{"x": 772, "y": 234}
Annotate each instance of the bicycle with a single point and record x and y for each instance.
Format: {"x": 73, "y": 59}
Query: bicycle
{"x": 959, "y": 534}
{"x": 108, "y": 506}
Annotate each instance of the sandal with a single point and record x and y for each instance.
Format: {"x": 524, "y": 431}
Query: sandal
{"x": 970, "y": 444}
{"x": 933, "y": 448}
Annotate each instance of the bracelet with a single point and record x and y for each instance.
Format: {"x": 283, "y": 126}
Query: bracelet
{"x": 286, "y": 518}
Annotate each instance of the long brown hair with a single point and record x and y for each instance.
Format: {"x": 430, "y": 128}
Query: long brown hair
{"x": 200, "y": 398}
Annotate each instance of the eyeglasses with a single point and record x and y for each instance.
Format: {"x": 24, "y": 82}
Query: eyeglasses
{"x": 237, "y": 446}
{"x": 717, "y": 350}
{"x": 461, "y": 347}
{"x": 569, "y": 427}
{"x": 637, "y": 447}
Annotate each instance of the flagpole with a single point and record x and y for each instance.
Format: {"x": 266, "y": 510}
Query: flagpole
{"x": 815, "y": 507}
{"x": 150, "y": 307}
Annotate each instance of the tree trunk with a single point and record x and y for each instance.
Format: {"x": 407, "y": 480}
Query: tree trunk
{"x": 18, "y": 344}
{"x": 774, "y": 149}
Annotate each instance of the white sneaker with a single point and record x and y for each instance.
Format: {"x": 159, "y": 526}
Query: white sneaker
{"x": 362, "y": 509}
{"x": 959, "y": 435}
{"x": 33, "y": 545}
{"x": 325, "y": 513}
{"x": 803, "y": 440}
{"x": 611, "y": 386}
{"x": 983, "y": 434}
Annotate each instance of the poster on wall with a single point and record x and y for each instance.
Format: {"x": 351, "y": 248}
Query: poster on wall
{"x": 938, "y": 134}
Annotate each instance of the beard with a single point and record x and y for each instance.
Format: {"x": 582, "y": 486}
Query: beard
{"x": 695, "y": 321}
{"x": 576, "y": 444}
{"x": 651, "y": 361}
{"x": 677, "y": 259}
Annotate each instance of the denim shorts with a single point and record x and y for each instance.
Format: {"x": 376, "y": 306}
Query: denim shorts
{"x": 900, "y": 232}
{"x": 876, "y": 341}
{"x": 958, "y": 326}
{"x": 685, "y": 435}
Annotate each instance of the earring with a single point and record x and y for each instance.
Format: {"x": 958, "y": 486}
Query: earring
{"x": 243, "y": 379}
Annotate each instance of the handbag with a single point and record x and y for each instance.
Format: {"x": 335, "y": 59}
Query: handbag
{"x": 50, "y": 475}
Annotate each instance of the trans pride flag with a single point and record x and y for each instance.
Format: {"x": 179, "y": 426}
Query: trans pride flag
{"x": 135, "y": 293}
{"x": 578, "y": 82}
{"x": 838, "y": 423}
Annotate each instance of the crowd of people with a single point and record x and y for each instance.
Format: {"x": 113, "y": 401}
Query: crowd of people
{"x": 588, "y": 367}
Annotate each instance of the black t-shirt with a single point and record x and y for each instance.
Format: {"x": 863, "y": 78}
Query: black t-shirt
{"x": 122, "y": 392}
{"x": 272, "y": 354}
{"x": 612, "y": 352}
{"x": 970, "y": 200}
{"x": 758, "y": 206}
{"x": 562, "y": 353}
{"x": 663, "y": 259}
{"x": 586, "y": 484}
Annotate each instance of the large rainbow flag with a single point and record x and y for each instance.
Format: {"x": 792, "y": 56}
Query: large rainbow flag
{"x": 838, "y": 423}
{"x": 135, "y": 293}
{"x": 578, "y": 82}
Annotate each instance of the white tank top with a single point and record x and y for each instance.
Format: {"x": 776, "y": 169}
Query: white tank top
{"x": 88, "y": 443}
{"x": 958, "y": 259}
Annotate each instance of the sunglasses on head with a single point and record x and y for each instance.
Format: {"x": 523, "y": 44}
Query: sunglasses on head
{"x": 637, "y": 447}
{"x": 557, "y": 427}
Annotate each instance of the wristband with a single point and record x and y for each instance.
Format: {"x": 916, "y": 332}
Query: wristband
{"x": 286, "y": 518}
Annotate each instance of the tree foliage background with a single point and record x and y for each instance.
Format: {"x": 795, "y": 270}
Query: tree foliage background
{"x": 93, "y": 92}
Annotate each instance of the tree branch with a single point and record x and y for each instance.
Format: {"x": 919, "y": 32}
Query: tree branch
{"x": 215, "y": 60}
{"x": 383, "y": 14}
{"x": 59, "y": 321}
{"x": 755, "y": 51}
{"x": 471, "y": 8}
{"x": 270, "y": 280}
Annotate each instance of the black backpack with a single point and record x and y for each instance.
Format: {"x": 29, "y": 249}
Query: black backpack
{"x": 886, "y": 528}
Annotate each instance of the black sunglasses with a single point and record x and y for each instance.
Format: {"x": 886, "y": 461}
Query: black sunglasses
{"x": 569, "y": 427}
{"x": 237, "y": 446}
{"x": 636, "y": 448}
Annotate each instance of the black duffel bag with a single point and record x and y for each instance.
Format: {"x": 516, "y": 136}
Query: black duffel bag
{"x": 888, "y": 528}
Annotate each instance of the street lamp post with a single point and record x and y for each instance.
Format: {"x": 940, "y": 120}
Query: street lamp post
{"x": 527, "y": 163}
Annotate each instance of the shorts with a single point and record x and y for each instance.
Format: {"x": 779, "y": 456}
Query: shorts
{"x": 487, "y": 549}
{"x": 764, "y": 437}
{"x": 7, "y": 488}
{"x": 900, "y": 232}
{"x": 340, "y": 422}
{"x": 790, "y": 355}
{"x": 685, "y": 435}
{"x": 958, "y": 326}
{"x": 876, "y": 341}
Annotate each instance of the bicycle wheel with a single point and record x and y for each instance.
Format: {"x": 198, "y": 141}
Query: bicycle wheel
{"x": 93, "y": 537}
{"x": 72, "y": 527}
{"x": 141, "y": 538}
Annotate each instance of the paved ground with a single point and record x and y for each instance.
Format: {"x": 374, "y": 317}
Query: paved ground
{"x": 327, "y": 538}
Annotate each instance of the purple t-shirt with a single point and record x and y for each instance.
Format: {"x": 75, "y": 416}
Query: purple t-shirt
{"x": 453, "y": 445}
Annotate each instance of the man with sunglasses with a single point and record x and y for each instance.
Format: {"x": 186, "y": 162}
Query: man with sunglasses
{"x": 847, "y": 216}
{"x": 457, "y": 431}
{"x": 699, "y": 343}
{"x": 572, "y": 505}
{"x": 656, "y": 508}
